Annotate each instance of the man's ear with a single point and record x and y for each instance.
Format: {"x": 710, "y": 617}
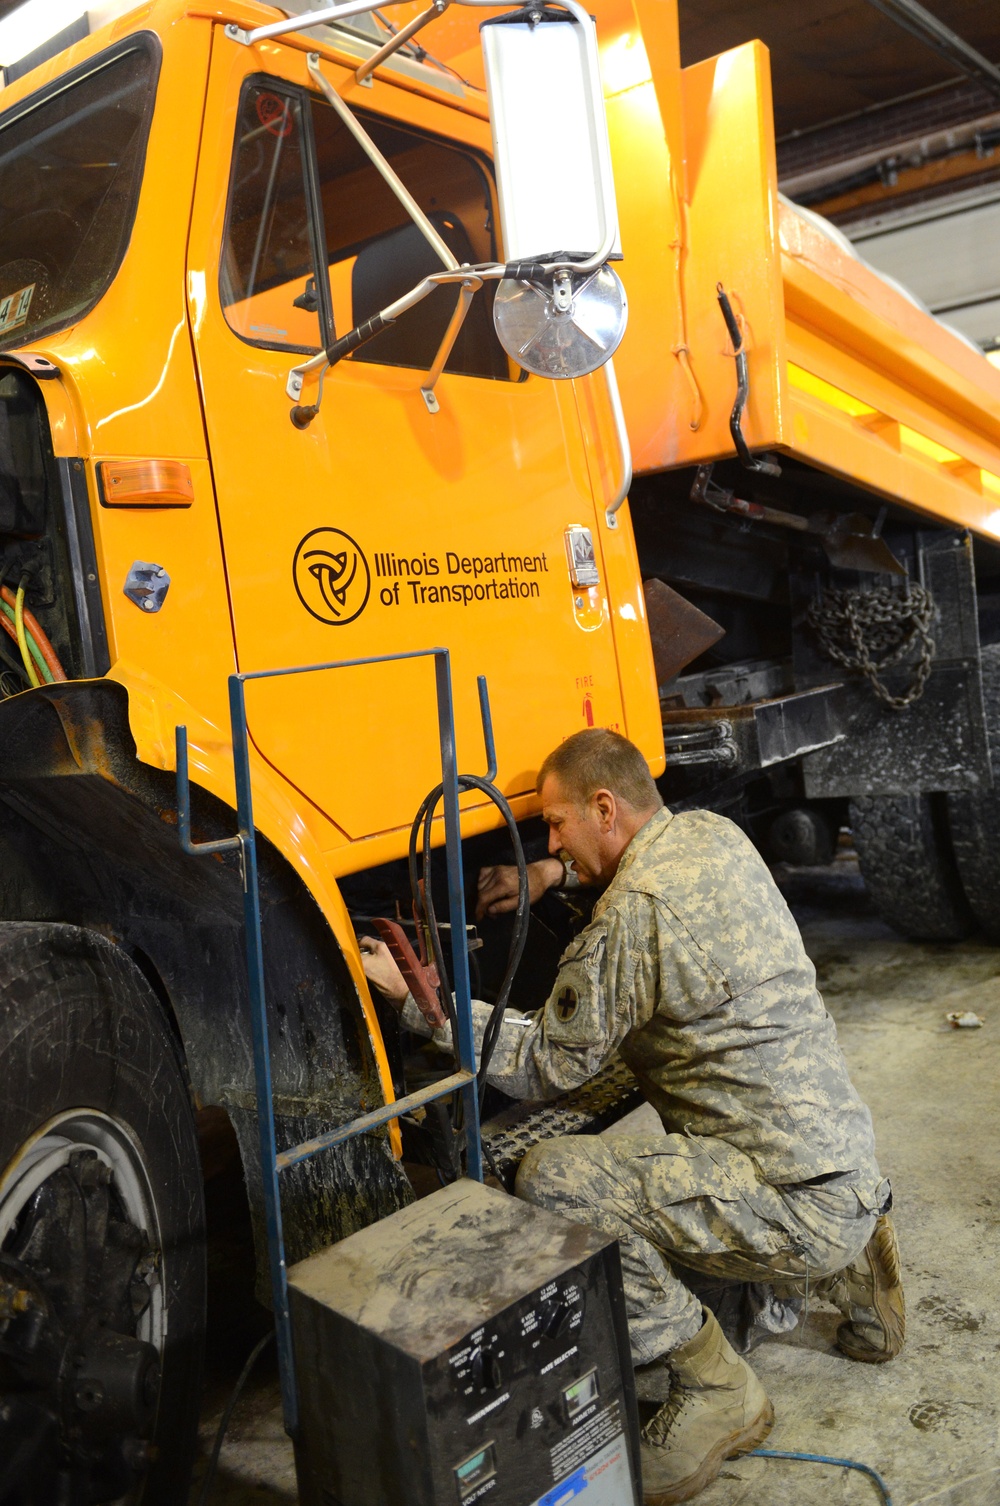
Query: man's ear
{"x": 606, "y": 807}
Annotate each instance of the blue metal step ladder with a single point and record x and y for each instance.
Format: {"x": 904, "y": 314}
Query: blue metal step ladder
{"x": 245, "y": 843}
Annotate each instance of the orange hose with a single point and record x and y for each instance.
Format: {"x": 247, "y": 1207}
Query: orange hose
{"x": 9, "y": 628}
{"x": 45, "y": 648}
{"x": 683, "y": 355}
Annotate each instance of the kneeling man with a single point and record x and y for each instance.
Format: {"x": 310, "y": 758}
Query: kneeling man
{"x": 693, "y": 971}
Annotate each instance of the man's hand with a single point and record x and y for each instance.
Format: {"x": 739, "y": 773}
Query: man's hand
{"x": 381, "y": 970}
{"x": 498, "y": 886}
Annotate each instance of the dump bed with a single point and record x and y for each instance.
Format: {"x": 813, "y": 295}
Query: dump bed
{"x": 847, "y": 372}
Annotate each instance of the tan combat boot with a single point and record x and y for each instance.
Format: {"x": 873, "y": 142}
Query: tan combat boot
{"x": 869, "y": 1293}
{"x": 716, "y": 1410}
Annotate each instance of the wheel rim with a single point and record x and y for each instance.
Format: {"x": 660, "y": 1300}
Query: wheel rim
{"x": 82, "y": 1321}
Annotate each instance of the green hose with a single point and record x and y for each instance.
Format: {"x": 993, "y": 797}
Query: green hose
{"x": 36, "y": 653}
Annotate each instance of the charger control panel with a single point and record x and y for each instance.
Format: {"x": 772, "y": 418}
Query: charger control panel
{"x": 484, "y": 1357}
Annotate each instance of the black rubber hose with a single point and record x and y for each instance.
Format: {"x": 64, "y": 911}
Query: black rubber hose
{"x": 431, "y": 916}
{"x": 519, "y": 936}
{"x": 237, "y": 1391}
{"x": 732, "y": 325}
{"x": 747, "y": 460}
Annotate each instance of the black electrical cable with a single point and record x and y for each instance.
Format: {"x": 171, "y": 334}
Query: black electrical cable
{"x": 424, "y": 901}
{"x": 226, "y": 1418}
{"x": 423, "y": 909}
{"x": 491, "y": 1163}
{"x": 12, "y": 664}
{"x": 520, "y": 931}
{"x": 8, "y": 659}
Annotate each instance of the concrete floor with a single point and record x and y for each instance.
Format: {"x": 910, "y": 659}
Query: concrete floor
{"x": 927, "y": 1422}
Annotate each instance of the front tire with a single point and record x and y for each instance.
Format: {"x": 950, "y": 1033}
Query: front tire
{"x": 102, "y": 1262}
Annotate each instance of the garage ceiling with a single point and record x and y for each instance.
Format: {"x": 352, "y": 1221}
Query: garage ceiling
{"x": 864, "y": 110}
{"x": 829, "y": 58}
{"x": 832, "y": 58}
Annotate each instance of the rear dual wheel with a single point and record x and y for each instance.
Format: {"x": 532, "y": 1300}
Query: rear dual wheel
{"x": 102, "y": 1272}
{"x": 904, "y": 850}
{"x": 931, "y": 862}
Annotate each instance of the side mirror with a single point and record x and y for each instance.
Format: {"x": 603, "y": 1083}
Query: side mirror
{"x": 564, "y": 314}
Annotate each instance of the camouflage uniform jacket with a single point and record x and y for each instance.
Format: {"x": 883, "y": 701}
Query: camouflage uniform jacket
{"x": 694, "y": 971}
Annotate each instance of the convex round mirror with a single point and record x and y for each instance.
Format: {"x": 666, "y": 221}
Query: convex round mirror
{"x": 561, "y": 337}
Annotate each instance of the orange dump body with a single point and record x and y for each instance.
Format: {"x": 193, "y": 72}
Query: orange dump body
{"x": 846, "y": 372}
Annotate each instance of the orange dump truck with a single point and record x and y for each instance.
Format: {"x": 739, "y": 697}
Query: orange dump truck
{"x": 817, "y": 499}
{"x": 217, "y": 453}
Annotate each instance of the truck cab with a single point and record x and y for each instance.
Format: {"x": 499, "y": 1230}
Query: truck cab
{"x": 186, "y": 222}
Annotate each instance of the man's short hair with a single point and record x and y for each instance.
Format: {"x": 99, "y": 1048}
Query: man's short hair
{"x": 596, "y": 759}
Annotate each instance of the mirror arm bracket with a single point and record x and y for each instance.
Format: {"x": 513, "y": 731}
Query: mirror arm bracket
{"x": 470, "y": 278}
{"x": 372, "y": 152}
{"x": 329, "y": 14}
{"x": 399, "y": 39}
{"x": 469, "y": 288}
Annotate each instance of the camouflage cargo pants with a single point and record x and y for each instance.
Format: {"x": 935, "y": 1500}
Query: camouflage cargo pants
{"x": 676, "y": 1201}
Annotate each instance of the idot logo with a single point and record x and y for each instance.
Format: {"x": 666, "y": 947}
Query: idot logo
{"x": 331, "y": 576}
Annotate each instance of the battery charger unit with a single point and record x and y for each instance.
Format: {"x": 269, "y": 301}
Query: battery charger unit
{"x": 468, "y": 1348}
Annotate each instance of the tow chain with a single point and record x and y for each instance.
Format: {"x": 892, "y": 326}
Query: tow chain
{"x": 870, "y": 630}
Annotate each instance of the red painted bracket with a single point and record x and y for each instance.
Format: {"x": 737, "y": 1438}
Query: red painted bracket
{"x": 421, "y": 979}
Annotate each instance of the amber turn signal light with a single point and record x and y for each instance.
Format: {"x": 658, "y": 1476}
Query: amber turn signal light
{"x": 145, "y": 483}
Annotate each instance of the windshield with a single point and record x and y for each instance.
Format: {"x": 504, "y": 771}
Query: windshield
{"x": 70, "y": 168}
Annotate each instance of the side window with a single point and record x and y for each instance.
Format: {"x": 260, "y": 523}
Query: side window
{"x": 71, "y": 166}
{"x": 268, "y": 280}
{"x": 376, "y": 253}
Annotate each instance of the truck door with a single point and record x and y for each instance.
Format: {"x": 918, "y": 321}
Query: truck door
{"x": 382, "y": 526}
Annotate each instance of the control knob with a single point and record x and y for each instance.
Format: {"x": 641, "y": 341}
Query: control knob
{"x": 555, "y": 1317}
{"x": 486, "y": 1369}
